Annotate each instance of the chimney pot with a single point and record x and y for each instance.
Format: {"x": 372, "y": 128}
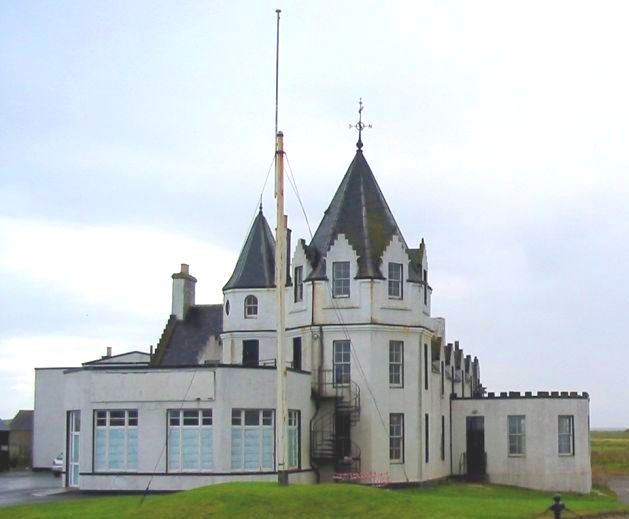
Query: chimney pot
{"x": 185, "y": 269}
{"x": 108, "y": 351}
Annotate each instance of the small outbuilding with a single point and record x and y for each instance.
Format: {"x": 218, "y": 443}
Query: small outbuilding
{"x": 21, "y": 438}
{"x": 4, "y": 445}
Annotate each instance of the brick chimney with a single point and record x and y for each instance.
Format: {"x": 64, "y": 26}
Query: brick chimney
{"x": 183, "y": 292}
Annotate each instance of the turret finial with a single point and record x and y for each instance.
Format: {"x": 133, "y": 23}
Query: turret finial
{"x": 360, "y": 125}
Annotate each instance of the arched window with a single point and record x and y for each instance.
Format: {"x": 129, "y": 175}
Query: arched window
{"x": 251, "y": 306}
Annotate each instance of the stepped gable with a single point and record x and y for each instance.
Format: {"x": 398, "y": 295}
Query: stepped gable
{"x": 188, "y": 337}
{"x": 255, "y": 267}
{"x": 360, "y": 212}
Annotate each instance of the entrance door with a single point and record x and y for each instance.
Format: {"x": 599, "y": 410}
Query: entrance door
{"x": 343, "y": 427}
{"x": 74, "y": 434}
{"x": 476, "y": 462}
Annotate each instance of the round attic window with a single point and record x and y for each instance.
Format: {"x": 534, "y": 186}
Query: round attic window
{"x": 227, "y": 307}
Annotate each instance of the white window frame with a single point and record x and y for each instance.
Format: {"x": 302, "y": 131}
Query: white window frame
{"x": 177, "y": 428}
{"x": 129, "y": 427}
{"x": 396, "y": 363}
{"x": 251, "y": 307}
{"x": 396, "y": 438}
{"x": 299, "y": 284}
{"x": 341, "y": 362}
{"x": 566, "y": 419}
{"x": 294, "y": 438}
{"x": 516, "y": 435}
{"x": 341, "y": 278}
{"x": 265, "y": 427}
{"x": 396, "y": 276}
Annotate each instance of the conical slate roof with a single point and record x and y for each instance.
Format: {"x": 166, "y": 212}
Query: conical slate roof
{"x": 360, "y": 212}
{"x": 255, "y": 267}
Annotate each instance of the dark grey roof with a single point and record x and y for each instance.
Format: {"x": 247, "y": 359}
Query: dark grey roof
{"x": 360, "y": 212}
{"x": 190, "y": 336}
{"x": 23, "y": 421}
{"x": 255, "y": 267}
{"x": 447, "y": 350}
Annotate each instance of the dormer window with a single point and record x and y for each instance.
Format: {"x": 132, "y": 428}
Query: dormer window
{"x": 340, "y": 279}
{"x": 299, "y": 284}
{"x": 395, "y": 281}
{"x": 251, "y": 306}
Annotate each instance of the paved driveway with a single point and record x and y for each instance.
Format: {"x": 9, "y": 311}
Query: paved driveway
{"x": 620, "y": 485}
{"x": 30, "y": 487}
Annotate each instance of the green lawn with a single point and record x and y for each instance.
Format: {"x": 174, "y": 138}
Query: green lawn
{"x": 260, "y": 500}
{"x": 610, "y": 454}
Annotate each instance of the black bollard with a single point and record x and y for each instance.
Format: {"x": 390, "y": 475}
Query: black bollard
{"x": 557, "y": 507}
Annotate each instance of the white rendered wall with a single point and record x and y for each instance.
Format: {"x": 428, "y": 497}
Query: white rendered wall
{"x": 541, "y": 467}
{"x": 49, "y": 422}
{"x": 219, "y": 389}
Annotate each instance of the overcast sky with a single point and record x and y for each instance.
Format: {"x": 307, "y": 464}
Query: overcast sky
{"x": 135, "y": 136}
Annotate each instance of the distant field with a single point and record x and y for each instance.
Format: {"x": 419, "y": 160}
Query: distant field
{"x": 267, "y": 500}
{"x": 610, "y": 454}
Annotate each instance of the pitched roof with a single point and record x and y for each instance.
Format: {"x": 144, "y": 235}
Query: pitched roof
{"x": 255, "y": 267}
{"x": 360, "y": 212}
{"x": 22, "y": 421}
{"x": 190, "y": 336}
{"x": 4, "y": 426}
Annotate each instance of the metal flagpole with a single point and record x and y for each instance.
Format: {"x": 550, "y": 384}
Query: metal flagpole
{"x": 281, "y": 410}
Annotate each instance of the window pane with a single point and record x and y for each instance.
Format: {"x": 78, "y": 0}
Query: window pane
{"x": 133, "y": 417}
{"x": 116, "y": 449}
{"x": 236, "y": 417}
{"x": 207, "y": 417}
{"x": 191, "y": 417}
{"x": 236, "y": 457}
{"x": 101, "y": 418}
{"x": 395, "y": 280}
{"x": 173, "y": 417}
{"x": 190, "y": 448}
{"x": 100, "y": 450}
{"x": 252, "y": 417}
{"x": 116, "y": 418}
{"x": 252, "y": 448}
{"x": 267, "y": 417}
{"x": 267, "y": 449}
{"x": 564, "y": 424}
{"x": 206, "y": 449}
{"x": 340, "y": 278}
{"x": 132, "y": 449}
{"x": 174, "y": 448}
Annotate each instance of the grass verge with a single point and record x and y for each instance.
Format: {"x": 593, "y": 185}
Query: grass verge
{"x": 262, "y": 500}
{"x": 610, "y": 454}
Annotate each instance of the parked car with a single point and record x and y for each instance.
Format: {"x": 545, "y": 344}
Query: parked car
{"x": 57, "y": 465}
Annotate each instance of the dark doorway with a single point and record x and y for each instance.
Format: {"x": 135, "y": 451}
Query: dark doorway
{"x": 250, "y": 353}
{"x": 343, "y": 443}
{"x": 297, "y": 353}
{"x": 476, "y": 460}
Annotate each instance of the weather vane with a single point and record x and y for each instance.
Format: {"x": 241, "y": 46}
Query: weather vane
{"x": 360, "y": 125}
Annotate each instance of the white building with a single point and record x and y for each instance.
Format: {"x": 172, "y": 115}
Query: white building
{"x": 374, "y": 388}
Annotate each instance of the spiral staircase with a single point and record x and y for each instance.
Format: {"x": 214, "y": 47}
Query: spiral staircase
{"x": 330, "y": 440}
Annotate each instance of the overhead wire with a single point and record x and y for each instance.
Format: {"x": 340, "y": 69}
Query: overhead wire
{"x": 161, "y": 454}
{"x": 337, "y": 309}
{"x": 194, "y": 374}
